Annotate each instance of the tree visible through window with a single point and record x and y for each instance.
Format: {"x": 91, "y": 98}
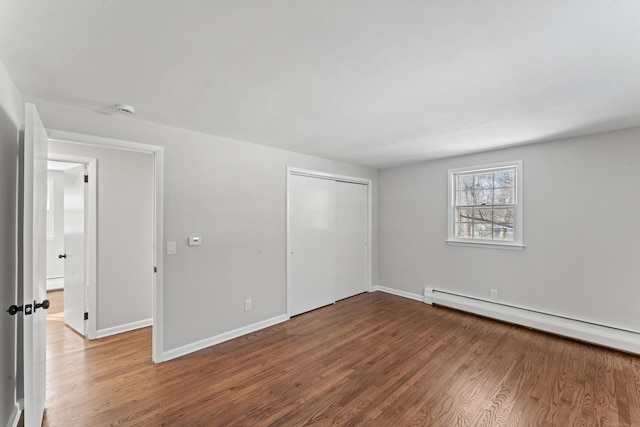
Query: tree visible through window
{"x": 484, "y": 204}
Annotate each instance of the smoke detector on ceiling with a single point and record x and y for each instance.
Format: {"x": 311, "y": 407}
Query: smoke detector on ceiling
{"x": 125, "y": 109}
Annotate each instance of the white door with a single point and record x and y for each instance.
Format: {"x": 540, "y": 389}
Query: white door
{"x": 34, "y": 264}
{"x": 55, "y": 232}
{"x": 74, "y": 242}
{"x": 311, "y": 247}
{"x": 351, "y": 239}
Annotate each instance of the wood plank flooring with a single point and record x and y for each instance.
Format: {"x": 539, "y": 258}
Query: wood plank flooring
{"x": 371, "y": 360}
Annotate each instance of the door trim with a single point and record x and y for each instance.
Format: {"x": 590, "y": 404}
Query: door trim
{"x": 333, "y": 177}
{"x": 158, "y": 171}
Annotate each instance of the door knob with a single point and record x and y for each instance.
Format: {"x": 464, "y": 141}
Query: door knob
{"x": 44, "y": 304}
{"x": 62, "y": 256}
{"x": 14, "y": 309}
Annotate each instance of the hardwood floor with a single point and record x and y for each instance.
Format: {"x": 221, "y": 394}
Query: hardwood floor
{"x": 371, "y": 360}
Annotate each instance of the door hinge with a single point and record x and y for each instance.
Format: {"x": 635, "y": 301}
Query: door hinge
{"x": 86, "y": 316}
{"x": 155, "y": 269}
{"x": 86, "y": 178}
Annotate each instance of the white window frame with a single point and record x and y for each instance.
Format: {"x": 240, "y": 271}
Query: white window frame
{"x": 517, "y": 243}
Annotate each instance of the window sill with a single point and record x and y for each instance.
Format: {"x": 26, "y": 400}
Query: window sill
{"x": 489, "y": 245}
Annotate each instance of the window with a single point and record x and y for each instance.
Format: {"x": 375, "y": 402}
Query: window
{"x": 485, "y": 205}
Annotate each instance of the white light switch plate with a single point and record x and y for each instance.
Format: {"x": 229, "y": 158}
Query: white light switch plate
{"x": 171, "y": 248}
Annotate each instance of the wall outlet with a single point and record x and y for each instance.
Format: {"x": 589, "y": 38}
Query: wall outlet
{"x": 494, "y": 294}
{"x": 248, "y": 305}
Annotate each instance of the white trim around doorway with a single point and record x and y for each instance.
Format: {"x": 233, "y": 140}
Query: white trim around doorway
{"x": 158, "y": 166}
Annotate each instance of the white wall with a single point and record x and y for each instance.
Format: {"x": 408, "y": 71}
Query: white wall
{"x": 125, "y": 233}
{"x": 233, "y": 195}
{"x": 11, "y": 122}
{"x": 580, "y": 231}
{"x": 55, "y": 246}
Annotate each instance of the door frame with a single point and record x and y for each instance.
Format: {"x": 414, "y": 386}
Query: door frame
{"x": 91, "y": 233}
{"x": 333, "y": 177}
{"x": 157, "y": 153}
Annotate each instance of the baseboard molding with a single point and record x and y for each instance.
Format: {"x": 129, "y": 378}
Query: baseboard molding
{"x": 398, "y": 293}
{"x": 101, "y": 333}
{"x": 575, "y": 329}
{"x": 208, "y": 342}
{"x": 55, "y": 284}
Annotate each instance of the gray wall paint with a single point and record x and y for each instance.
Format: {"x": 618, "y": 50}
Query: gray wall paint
{"x": 233, "y": 195}
{"x": 580, "y": 231}
{"x": 125, "y": 232}
{"x": 11, "y": 119}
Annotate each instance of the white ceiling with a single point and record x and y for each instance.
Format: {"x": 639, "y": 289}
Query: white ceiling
{"x": 379, "y": 83}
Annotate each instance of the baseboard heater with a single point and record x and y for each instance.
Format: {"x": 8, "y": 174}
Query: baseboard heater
{"x": 606, "y": 336}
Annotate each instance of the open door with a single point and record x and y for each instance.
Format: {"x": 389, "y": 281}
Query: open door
{"x": 74, "y": 249}
{"x": 34, "y": 265}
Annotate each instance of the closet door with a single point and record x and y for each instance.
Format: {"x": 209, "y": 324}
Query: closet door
{"x": 312, "y": 238}
{"x": 351, "y": 239}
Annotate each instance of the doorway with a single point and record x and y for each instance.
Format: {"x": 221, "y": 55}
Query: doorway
{"x": 114, "y": 166}
{"x": 69, "y": 225}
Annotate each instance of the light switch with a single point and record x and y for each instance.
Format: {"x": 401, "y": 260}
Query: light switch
{"x": 195, "y": 241}
{"x": 171, "y": 248}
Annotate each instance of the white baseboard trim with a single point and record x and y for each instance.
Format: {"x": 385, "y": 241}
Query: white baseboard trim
{"x": 226, "y": 336}
{"x": 55, "y": 284}
{"x": 582, "y": 331}
{"x": 398, "y": 293}
{"x": 101, "y": 333}
{"x": 14, "y": 418}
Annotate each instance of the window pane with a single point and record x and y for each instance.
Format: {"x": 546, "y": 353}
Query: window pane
{"x": 502, "y": 233}
{"x": 483, "y": 215}
{"x": 482, "y": 231}
{"x": 464, "y": 230}
{"x": 503, "y": 216}
{"x": 504, "y": 179}
{"x": 484, "y": 180}
{"x": 465, "y": 182}
{"x": 465, "y": 198}
{"x": 503, "y": 196}
{"x": 464, "y": 214}
{"x": 483, "y": 197}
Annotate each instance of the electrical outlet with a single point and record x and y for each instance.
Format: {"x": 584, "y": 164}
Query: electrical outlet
{"x": 248, "y": 305}
{"x": 494, "y": 294}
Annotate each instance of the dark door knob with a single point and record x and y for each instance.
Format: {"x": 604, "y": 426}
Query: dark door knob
{"x": 44, "y": 304}
{"x": 62, "y": 256}
{"x": 14, "y": 309}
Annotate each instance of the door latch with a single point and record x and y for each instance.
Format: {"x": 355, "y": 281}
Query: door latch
{"x": 28, "y": 309}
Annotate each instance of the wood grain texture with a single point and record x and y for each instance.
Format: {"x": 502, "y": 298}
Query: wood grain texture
{"x": 371, "y": 360}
